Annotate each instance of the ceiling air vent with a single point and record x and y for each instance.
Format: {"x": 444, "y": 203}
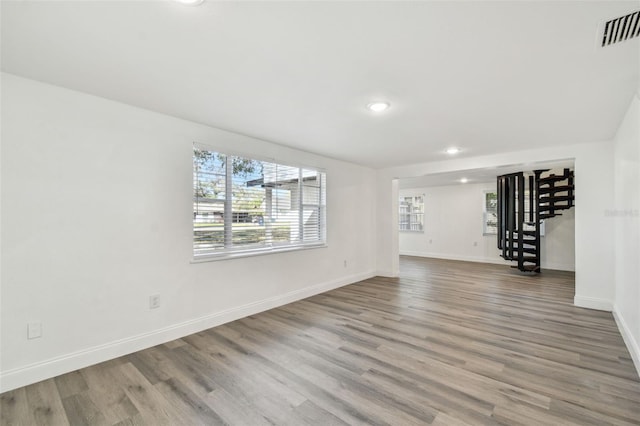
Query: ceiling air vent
{"x": 621, "y": 29}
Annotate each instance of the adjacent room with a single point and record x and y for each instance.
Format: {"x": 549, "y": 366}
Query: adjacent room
{"x": 310, "y": 212}
{"x": 455, "y": 216}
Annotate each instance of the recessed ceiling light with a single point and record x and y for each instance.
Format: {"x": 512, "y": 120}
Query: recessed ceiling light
{"x": 189, "y": 2}
{"x": 453, "y": 150}
{"x": 464, "y": 180}
{"x": 378, "y": 106}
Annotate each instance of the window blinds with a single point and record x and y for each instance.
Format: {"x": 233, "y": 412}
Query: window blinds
{"x": 247, "y": 205}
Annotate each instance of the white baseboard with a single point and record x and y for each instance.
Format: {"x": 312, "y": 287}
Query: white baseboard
{"x": 593, "y": 303}
{"x": 479, "y": 259}
{"x": 558, "y": 267}
{"x": 388, "y": 274}
{"x": 46, "y": 369}
{"x": 629, "y": 340}
{"x": 455, "y": 257}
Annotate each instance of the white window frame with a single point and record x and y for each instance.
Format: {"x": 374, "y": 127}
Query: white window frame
{"x": 231, "y": 251}
{"x": 412, "y": 220}
{"x": 486, "y": 213}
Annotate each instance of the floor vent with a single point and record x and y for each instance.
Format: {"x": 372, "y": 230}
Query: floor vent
{"x": 621, "y": 29}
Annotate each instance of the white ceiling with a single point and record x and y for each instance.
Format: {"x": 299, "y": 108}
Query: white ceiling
{"x": 485, "y": 175}
{"x": 485, "y": 76}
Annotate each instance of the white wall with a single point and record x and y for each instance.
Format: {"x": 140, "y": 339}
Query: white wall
{"x": 453, "y": 229}
{"x": 387, "y": 234}
{"x": 624, "y": 217}
{"x": 594, "y": 195}
{"x": 96, "y": 217}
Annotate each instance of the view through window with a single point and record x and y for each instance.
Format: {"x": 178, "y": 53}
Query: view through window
{"x": 247, "y": 205}
{"x": 411, "y": 214}
{"x": 490, "y": 210}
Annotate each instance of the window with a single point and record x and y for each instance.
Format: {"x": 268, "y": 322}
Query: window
{"x": 243, "y": 205}
{"x": 411, "y": 214}
{"x": 490, "y": 213}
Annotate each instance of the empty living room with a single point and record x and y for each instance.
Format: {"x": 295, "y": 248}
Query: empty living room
{"x": 319, "y": 212}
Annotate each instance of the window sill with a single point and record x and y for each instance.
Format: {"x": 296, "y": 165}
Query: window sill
{"x": 242, "y": 254}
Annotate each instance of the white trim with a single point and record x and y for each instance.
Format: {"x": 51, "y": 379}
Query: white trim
{"x": 238, "y": 254}
{"x": 558, "y": 267}
{"x": 388, "y": 274}
{"x": 454, "y": 257}
{"x": 627, "y": 336}
{"x": 492, "y": 260}
{"x": 52, "y": 367}
{"x": 593, "y": 303}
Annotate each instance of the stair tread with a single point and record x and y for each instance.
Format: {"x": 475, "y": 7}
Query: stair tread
{"x": 552, "y": 178}
{"x": 554, "y": 198}
{"x": 555, "y": 207}
{"x": 529, "y": 233}
{"x": 530, "y": 243}
{"x": 566, "y": 173}
{"x": 529, "y": 250}
{"x": 556, "y": 189}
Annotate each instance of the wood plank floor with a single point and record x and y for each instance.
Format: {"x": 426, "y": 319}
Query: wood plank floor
{"x": 447, "y": 343}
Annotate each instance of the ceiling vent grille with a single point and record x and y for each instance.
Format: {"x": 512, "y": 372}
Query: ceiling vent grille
{"x": 621, "y": 29}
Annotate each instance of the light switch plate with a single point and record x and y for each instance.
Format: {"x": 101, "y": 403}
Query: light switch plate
{"x": 34, "y": 330}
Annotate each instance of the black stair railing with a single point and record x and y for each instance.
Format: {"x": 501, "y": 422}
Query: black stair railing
{"x": 519, "y": 233}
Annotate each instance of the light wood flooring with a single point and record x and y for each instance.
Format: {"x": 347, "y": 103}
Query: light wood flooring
{"x": 447, "y": 343}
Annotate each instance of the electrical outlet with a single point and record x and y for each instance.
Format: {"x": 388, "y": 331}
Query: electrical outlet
{"x": 34, "y": 330}
{"x": 430, "y": 241}
{"x": 345, "y": 263}
{"x": 475, "y": 244}
{"x": 154, "y": 301}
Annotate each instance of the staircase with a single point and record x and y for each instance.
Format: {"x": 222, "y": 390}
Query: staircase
{"x": 523, "y": 202}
